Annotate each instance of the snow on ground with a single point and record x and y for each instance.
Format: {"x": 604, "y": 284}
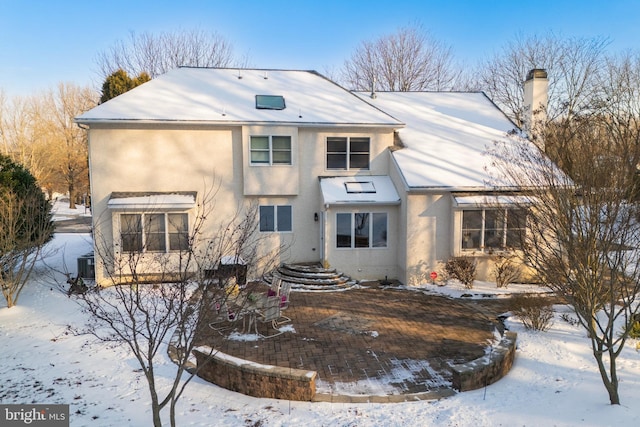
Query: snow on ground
{"x": 554, "y": 381}
{"x": 61, "y": 210}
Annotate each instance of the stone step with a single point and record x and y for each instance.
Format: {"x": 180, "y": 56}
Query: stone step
{"x": 309, "y": 268}
{"x": 310, "y": 277}
{"x": 288, "y": 272}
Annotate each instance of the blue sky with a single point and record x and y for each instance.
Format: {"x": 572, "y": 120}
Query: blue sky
{"x": 43, "y": 42}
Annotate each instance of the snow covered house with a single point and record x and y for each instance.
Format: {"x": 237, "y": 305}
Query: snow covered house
{"x": 374, "y": 186}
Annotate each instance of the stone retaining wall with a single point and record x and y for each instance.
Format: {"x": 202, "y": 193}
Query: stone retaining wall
{"x": 255, "y": 379}
{"x": 487, "y": 369}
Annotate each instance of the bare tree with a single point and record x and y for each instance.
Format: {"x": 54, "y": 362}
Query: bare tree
{"x": 39, "y": 133}
{"x": 156, "y": 54}
{"x": 143, "y": 316}
{"x": 68, "y": 149}
{"x": 583, "y": 233}
{"x": 573, "y": 66}
{"x": 407, "y": 60}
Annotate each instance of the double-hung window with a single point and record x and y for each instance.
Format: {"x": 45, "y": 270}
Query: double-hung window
{"x": 491, "y": 229}
{"x": 270, "y": 150}
{"x": 348, "y": 153}
{"x": 275, "y": 218}
{"x": 154, "y": 232}
{"x": 361, "y": 230}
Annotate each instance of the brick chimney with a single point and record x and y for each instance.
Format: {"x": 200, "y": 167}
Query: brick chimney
{"x": 536, "y": 95}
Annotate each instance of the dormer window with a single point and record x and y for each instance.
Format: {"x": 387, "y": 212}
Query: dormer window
{"x": 270, "y": 102}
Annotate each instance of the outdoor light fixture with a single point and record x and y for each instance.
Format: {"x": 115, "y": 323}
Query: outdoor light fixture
{"x": 315, "y": 217}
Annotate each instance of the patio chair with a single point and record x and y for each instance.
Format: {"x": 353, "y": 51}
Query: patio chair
{"x": 270, "y": 313}
{"x": 224, "y": 317}
{"x": 283, "y": 295}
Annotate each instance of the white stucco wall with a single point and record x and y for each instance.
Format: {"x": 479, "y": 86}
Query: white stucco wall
{"x": 270, "y": 180}
{"x": 428, "y": 240}
{"x": 161, "y": 158}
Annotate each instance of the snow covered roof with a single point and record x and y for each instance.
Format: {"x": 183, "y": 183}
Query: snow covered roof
{"x": 158, "y": 201}
{"x": 359, "y": 190}
{"x": 228, "y": 96}
{"x": 445, "y": 138}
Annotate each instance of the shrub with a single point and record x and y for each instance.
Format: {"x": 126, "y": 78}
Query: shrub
{"x": 535, "y": 312}
{"x": 463, "y": 269}
{"x": 634, "y": 331}
{"x": 505, "y": 270}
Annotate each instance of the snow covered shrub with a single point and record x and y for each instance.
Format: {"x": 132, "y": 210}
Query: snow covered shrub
{"x": 463, "y": 269}
{"x": 534, "y": 312}
{"x": 505, "y": 270}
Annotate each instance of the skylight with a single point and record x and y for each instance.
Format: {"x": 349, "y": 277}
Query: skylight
{"x": 360, "y": 187}
{"x": 270, "y": 102}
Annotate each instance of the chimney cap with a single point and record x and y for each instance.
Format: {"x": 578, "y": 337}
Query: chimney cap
{"x": 537, "y": 73}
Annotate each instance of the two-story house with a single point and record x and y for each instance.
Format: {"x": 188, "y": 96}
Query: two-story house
{"x": 374, "y": 185}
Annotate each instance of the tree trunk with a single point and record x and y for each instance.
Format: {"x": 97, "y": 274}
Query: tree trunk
{"x": 609, "y": 379}
{"x": 72, "y": 196}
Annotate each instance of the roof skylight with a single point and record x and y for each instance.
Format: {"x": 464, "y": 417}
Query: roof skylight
{"x": 360, "y": 187}
{"x": 270, "y": 102}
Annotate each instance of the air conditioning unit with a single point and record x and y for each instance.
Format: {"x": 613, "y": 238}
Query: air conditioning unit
{"x": 86, "y": 266}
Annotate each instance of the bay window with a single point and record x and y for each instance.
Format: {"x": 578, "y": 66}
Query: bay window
{"x": 493, "y": 229}
{"x": 154, "y": 232}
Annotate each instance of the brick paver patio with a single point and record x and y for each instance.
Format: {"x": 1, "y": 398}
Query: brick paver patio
{"x": 373, "y": 334}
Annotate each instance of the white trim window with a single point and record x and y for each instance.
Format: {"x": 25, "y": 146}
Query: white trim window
{"x": 493, "y": 229}
{"x": 270, "y": 150}
{"x": 154, "y": 232}
{"x": 361, "y": 230}
{"x": 345, "y": 153}
{"x": 276, "y": 218}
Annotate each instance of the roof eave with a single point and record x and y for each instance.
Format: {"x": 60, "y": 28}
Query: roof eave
{"x": 90, "y": 122}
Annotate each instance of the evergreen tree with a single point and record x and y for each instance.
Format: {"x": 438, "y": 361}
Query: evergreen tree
{"x": 25, "y": 226}
{"x": 120, "y": 82}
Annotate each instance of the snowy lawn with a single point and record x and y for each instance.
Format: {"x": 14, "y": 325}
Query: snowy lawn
{"x": 554, "y": 381}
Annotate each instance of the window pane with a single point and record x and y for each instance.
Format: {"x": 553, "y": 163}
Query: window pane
{"x": 178, "y": 231}
{"x": 259, "y": 142}
{"x": 336, "y": 153}
{"x": 281, "y": 143}
{"x": 361, "y": 230}
{"x": 284, "y": 218}
{"x": 343, "y": 230}
{"x": 131, "y": 223}
{"x": 260, "y": 157}
{"x": 379, "y": 233}
{"x": 336, "y": 145}
{"x": 154, "y": 227}
{"x": 493, "y": 228}
{"x": 516, "y": 223}
{"x": 131, "y": 232}
{"x": 336, "y": 161}
{"x": 267, "y": 218}
{"x": 359, "y": 145}
{"x": 359, "y": 161}
{"x": 260, "y": 149}
{"x": 472, "y": 220}
{"x": 282, "y": 157}
{"x": 471, "y": 229}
